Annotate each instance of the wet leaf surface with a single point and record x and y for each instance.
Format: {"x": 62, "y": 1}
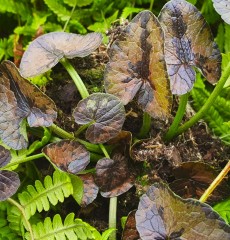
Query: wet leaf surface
{"x": 90, "y": 189}
{"x": 188, "y": 43}
{"x": 9, "y": 183}
{"x": 130, "y": 231}
{"x": 46, "y": 51}
{"x": 163, "y": 215}
{"x": 113, "y": 176}
{"x": 19, "y": 99}
{"x": 69, "y": 156}
{"x": 137, "y": 66}
{"x": 223, "y": 8}
{"x": 5, "y": 156}
{"x": 104, "y": 112}
{"x": 193, "y": 178}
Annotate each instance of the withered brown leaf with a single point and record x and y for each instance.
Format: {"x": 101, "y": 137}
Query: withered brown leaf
{"x": 20, "y": 99}
{"x": 188, "y": 43}
{"x": 70, "y": 156}
{"x": 137, "y": 66}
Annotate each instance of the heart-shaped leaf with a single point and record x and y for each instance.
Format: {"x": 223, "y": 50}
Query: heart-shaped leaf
{"x": 193, "y": 178}
{"x": 223, "y": 8}
{"x": 188, "y": 43}
{"x": 90, "y": 189}
{"x": 19, "y": 99}
{"x": 130, "y": 231}
{"x": 69, "y": 156}
{"x": 137, "y": 66}
{"x": 9, "y": 183}
{"x": 105, "y": 115}
{"x": 113, "y": 176}
{"x": 5, "y": 156}
{"x": 46, "y": 51}
{"x": 163, "y": 215}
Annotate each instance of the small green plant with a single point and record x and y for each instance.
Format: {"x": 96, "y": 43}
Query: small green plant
{"x": 150, "y": 60}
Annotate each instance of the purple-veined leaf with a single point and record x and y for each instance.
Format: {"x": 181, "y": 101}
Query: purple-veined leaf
{"x": 188, "y": 43}
{"x": 69, "y": 156}
{"x": 46, "y": 51}
{"x": 20, "y": 99}
{"x": 163, "y": 215}
{"x": 137, "y": 66}
{"x": 104, "y": 112}
{"x": 5, "y": 156}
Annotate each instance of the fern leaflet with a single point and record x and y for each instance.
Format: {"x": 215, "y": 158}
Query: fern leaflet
{"x": 54, "y": 190}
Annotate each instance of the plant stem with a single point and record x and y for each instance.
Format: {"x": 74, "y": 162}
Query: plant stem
{"x": 61, "y": 132}
{"x": 21, "y": 209}
{"x": 112, "y": 216}
{"x": 208, "y": 103}
{"x": 215, "y": 183}
{"x": 76, "y": 78}
{"x": 178, "y": 118}
{"x": 104, "y": 150}
{"x": 146, "y": 125}
{"x": 23, "y": 160}
{"x": 71, "y": 14}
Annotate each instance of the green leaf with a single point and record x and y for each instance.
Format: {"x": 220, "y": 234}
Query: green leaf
{"x": 77, "y": 184}
{"x": 40, "y": 197}
{"x": 129, "y": 10}
{"x": 72, "y": 228}
{"x": 223, "y": 208}
{"x": 106, "y": 234}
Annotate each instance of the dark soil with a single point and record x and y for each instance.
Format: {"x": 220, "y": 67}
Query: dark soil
{"x": 152, "y": 159}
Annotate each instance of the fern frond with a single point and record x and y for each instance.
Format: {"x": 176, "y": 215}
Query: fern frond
{"x": 14, "y": 218}
{"x": 129, "y": 10}
{"x": 54, "y": 229}
{"x": 59, "y": 9}
{"x": 54, "y": 190}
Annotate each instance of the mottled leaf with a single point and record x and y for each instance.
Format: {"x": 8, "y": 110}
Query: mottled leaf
{"x": 193, "y": 178}
{"x": 188, "y": 43}
{"x": 69, "y": 156}
{"x": 46, "y": 51}
{"x": 9, "y": 183}
{"x": 5, "y": 156}
{"x": 223, "y": 8}
{"x": 19, "y": 99}
{"x": 90, "y": 189}
{"x": 163, "y": 215}
{"x": 137, "y": 66}
{"x": 113, "y": 176}
{"x": 105, "y": 115}
{"x": 130, "y": 231}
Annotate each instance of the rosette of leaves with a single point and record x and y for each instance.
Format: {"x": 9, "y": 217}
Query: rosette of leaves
{"x": 9, "y": 181}
{"x": 163, "y": 215}
{"x": 19, "y": 100}
{"x": 104, "y": 114}
{"x": 188, "y": 43}
{"x": 137, "y": 67}
{"x": 69, "y": 156}
{"x": 47, "y": 50}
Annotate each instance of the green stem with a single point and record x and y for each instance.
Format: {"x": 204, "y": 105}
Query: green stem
{"x": 112, "y": 216}
{"x": 151, "y": 5}
{"x": 215, "y": 183}
{"x": 26, "y": 221}
{"x": 146, "y": 125}
{"x": 23, "y": 160}
{"x": 76, "y": 78}
{"x": 104, "y": 150}
{"x": 71, "y": 14}
{"x": 208, "y": 103}
{"x": 178, "y": 118}
{"x": 61, "y": 132}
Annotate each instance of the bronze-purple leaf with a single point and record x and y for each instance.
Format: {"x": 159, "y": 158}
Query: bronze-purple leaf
{"x": 188, "y": 43}
{"x": 9, "y": 184}
{"x": 163, "y": 215}
{"x": 70, "y": 156}
{"x": 130, "y": 231}
{"x": 113, "y": 176}
{"x": 20, "y": 99}
{"x": 5, "y": 156}
{"x": 193, "y": 178}
{"x": 46, "y": 51}
{"x": 137, "y": 66}
{"x": 90, "y": 189}
{"x": 104, "y": 112}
